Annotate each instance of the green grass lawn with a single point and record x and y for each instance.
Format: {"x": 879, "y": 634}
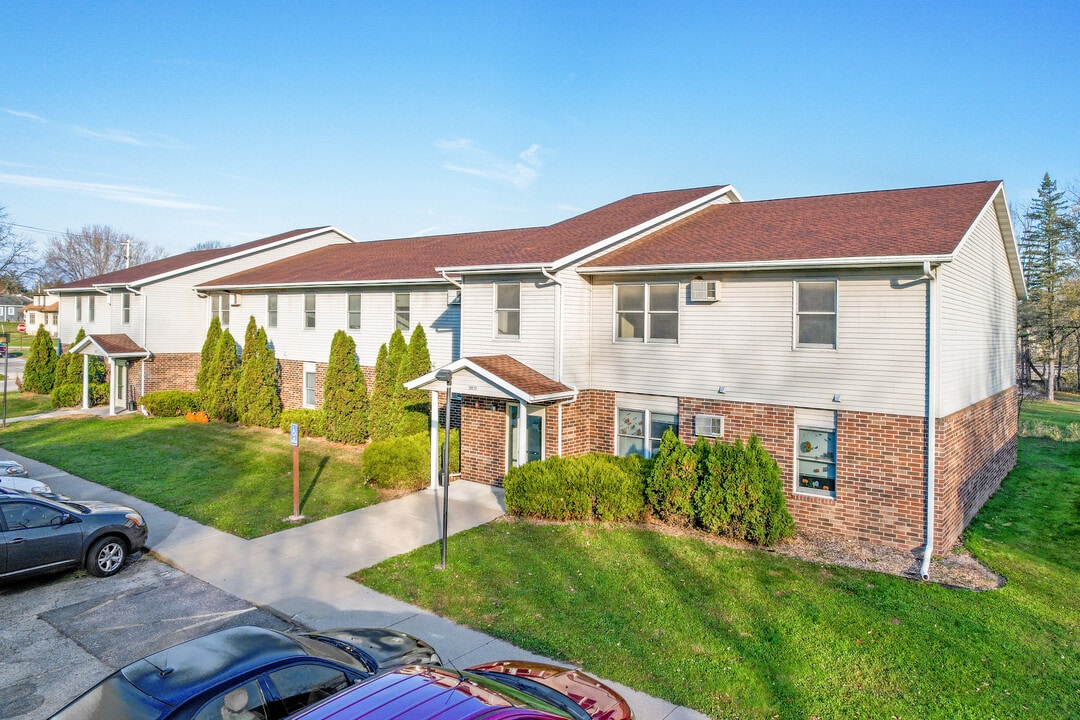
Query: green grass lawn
{"x": 20, "y": 404}
{"x": 233, "y": 478}
{"x": 750, "y": 634}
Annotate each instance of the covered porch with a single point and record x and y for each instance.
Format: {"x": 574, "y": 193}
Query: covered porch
{"x": 510, "y": 414}
{"x": 120, "y": 352}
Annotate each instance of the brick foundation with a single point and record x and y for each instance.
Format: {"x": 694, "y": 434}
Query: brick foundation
{"x": 976, "y": 449}
{"x": 483, "y": 439}
{"x": 168, "y": 371}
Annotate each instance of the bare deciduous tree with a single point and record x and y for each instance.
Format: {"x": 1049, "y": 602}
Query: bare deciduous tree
{"x": 17, "y": 259}
{"x": 94, "y": 250}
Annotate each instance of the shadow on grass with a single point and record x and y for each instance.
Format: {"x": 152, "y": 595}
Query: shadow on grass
{"x": 314, "y": 481}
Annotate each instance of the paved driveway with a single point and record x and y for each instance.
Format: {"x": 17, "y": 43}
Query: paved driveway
{"x": 60, "y": 634}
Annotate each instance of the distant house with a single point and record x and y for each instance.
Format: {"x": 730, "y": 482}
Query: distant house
{"x": 868, "y": 339}
{"x": 42, "y": 311}
{"x": 11, "y": 307}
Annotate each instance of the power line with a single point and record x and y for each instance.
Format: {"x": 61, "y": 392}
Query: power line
{"x": 31, "y": 227}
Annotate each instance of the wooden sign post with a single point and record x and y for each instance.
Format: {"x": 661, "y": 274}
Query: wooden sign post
{"x": 294, "y": 440}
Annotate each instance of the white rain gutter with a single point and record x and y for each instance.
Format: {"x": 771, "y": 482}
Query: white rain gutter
{"x": 447, "y": 278}
{"x": 931, "y": 412}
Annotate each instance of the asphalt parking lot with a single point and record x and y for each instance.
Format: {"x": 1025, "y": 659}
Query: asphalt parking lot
{"x": 60, "y": 634}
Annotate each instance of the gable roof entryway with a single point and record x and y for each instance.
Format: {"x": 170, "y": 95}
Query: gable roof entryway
{"x": 119, "y": 349}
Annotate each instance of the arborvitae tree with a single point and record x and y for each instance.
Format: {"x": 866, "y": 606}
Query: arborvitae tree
{"x": 213, "y": 334}
{"x": 672, "y": 480}
{"x": 381, "y": 415}
{"x": 417, "y": 363}
{"x": 39, "y": 374}
{"x": 219, "y": 397}
{"x": 68, "y": 368}
{"x": 345, "y": 401}
{"x": 1047, "y": 248}
{"x": 257, "y": 399}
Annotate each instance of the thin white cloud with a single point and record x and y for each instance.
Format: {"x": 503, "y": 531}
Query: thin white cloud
{"x": 118, "y": 136}
{"x": 25, "y": 115}
{"x": 475, "y": 161}
{"x": 130, "y": 194}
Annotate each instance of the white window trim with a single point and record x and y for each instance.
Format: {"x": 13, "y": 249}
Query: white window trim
{"x": 125, "y": 308}
{"x": 309, "y": 367}
{"x": 820, "y": 426}
{"x": 277, "y": 308}
{"x": 394, "y": 308}
{"x": 315, "y": 312}
{"x": 359, "y": 313}
{"x": 647, "y": 438}
{"x": 795, "y": 345}
{"x": 78, "y": 309}
{"x": 648, "y": 320}
{"x": 496, "y": 309}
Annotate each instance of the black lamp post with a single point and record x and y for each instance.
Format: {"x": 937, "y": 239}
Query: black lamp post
{"x": 447, "y": 377}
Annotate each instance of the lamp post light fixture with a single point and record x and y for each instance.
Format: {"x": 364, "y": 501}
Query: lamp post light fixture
{"x": 446, "y": 376}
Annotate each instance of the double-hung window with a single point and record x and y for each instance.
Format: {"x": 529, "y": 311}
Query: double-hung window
{"x": 90, "y": 308}
{"x": 640, "y": 431}
{"x": 271, "y": 310}
{"x": 647, "y": 312}
{"x": 125, "y": 309}
{"x": 78, "y": 309}
{"x": 354, "y": 311}
{"x": 309, "y": 385}
{"x": 401, "y": 312}
{"x": 815, "y": 313}
{"x": 507, "y": 309}
{"x": 219, "y": 305}
{"x": 815, "y": 452}
{"x": 309, "y": 310}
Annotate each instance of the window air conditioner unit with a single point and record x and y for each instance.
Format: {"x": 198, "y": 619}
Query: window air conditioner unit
{"x": 709, "y": 426}
{"x": 234, "y": 299}
{"x": 703, "y": 290}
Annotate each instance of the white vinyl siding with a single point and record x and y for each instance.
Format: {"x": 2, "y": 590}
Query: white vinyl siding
{"x": 536, "y": 344}
{"x": 577, "y": 299}
{"x": 977, "y": 314}
{"x": 744, "y": 343}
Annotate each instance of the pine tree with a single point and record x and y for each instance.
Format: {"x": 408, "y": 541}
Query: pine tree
{"x": 345, "y": 400}
{"x": 68, "y": 367}
{"x": 381, "y": 415}
{"x": 397, "y": 354}
{"x": 257, "y": 399}
{"x": 39, "y": 373}
{"x": 220, "y": 393}
{"x": 208, "y": 349}
{"x": 1046, "y": 247}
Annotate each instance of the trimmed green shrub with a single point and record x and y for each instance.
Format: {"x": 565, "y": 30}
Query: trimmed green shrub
{"x": 405, "y": 463}
{"x": 381, "y": 413}
{"x": 39, "y": 373}
{"x": 741, "y": 494}
{"x": 70, "y": 394}
{"x": 209, "y": 348}
{"x": 414, "y": 403}
{"x": 218, "y": 398}
{"x": 311, "y": 423}
{"x": 257, "y": 399}
{"x": 672, "y": 479}
{"x": 170, "y": 403}
{"x": 345, "y": 400}
{"x": 584, "y": 487}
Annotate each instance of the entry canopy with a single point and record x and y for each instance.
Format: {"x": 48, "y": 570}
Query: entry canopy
{"x": 117, "y": 347}
{"x": 498, "y": 376}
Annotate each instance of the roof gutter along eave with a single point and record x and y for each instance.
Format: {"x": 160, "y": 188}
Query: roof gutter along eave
{"x": 809, "y": 263}
{"x": 326, "y": 284}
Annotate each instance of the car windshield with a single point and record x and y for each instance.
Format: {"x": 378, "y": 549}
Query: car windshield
{"x": 115, "y": 697}
{"x": 528, "y": 693}
{"x": 330, "y": 649}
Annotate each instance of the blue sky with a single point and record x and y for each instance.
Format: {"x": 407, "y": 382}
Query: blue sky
{"x": 183, "y": 122}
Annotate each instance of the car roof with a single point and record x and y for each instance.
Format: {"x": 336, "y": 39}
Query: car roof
{"x": 178, "y": 673}
{"x": 418, "y": 693}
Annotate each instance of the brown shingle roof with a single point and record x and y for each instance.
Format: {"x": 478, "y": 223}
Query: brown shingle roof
{"x": 520, "y": 375}
{"x": 890, "y": 223}
{"x": 116, "y": 344}
{"x": 417, "y": 258}
{"x": 131, "y": 275}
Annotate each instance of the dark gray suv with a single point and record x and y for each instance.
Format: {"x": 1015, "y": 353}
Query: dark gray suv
{"x": 39, "y": 535}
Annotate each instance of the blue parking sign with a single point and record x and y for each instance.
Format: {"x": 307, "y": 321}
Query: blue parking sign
{"x": 294, "y": 434}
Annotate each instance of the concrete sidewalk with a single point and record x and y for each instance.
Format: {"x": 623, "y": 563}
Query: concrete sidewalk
{"x": 301, "y": 573}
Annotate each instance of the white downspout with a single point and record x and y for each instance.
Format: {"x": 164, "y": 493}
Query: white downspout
{"x": 931, "y": 413}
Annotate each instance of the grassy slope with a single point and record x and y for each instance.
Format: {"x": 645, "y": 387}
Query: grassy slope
{"x": 236, "y": 479}
{"x": 749, "y": 634}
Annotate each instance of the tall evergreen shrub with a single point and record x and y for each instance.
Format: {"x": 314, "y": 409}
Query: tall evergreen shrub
{"x": 257, "y": 399}
{"x": 209, "y": 349}
{"x": 415, "y": 404}
{"x": 345, "y": 400}
{"x": 39, "y": 373}
{"x": 219, "y": 397}
{"x": 672, "y": 480}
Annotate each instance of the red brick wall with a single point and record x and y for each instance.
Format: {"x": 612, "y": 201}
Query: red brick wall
{"x": 291, "y": 383}
{"x": 168, "y": 371}
{"x": 589, "y": 423}
{"x": 976, "y": 449}
{"x": 483, "y": 439}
